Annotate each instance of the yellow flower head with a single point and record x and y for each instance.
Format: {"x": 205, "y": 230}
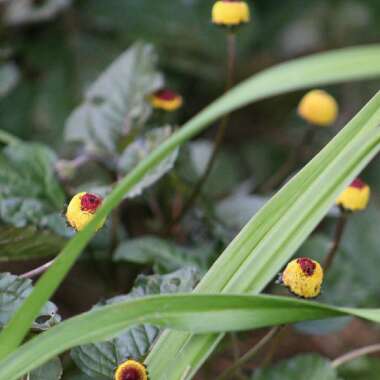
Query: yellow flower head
{"x": 131, "y": 370}
{"x": 230, "y": 12}
{"x": 319, "y": 108}
{"x": 303, "y": 277}
{"x": 355, "y": 197}
{"x": 81, "y": 210}
{"x": 166, "y": 100}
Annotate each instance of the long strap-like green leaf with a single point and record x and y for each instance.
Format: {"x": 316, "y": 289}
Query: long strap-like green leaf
{"x": 338, "y": 66}
{"x": 196, "y": 313}
{"x": 273, "y": 235}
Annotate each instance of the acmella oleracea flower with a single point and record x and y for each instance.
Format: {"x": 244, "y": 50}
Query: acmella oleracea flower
{"x": 230, "y": 12}
{"x": 166, "y": 99}
{"x": 303, "y": 277}
{"x": 131, "y": 370}
{"x": 355, "y": 197}
{"x": 319, "y": 108}
{"x": 81, "y": 210}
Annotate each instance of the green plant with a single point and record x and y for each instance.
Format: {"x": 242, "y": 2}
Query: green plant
{"x": 142, "y": 156}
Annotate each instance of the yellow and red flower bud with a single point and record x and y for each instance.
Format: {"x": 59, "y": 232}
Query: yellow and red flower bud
{"x": 303, "y": 277}
{"x": 319, "y": 108}
{"x": 230, "y": 12}
{"x": 131, "y": 370}
{"x": 81, "y": 210}
{"x": 355, "y": 197}
{"x": 166, "y": 99}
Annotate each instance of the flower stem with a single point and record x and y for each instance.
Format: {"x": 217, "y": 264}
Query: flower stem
{"x": 38, "y": 270}
{"x": 231, "y": 62}
{"x": 229, "y": 372}
{"x": 338, "y": 234}
{"x": 288, "y": 166}
{"x": 355, "y": 354}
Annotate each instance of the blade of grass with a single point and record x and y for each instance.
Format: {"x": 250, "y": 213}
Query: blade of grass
{"x": 332, "y": 67}
{"x": 273, "y": 235}
{"x": 196, "y": 313}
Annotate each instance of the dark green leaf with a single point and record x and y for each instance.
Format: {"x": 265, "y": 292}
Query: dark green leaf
{"x": 364, "y": 368}
{"x": 140, "y": 149}
{"x": 13, "y": 291}
{"x": 165, "y": 255}
{"x": 9, "y": 76}
{"x": 52, "y": 370}
{"x": 28, "y": 186}
{"x": 25, "y": 11}
{"x": 101, "y": 359}
{"x": 224, "y": 176}
{"x": 27, "y": 243}
{"x": 310, "y": 367}
{"x": 116, "y": 104}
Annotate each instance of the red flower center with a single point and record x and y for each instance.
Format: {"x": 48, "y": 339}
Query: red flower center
{"x": 130, "y": 374}
{"x": 166, "y": 94}
{"x": 358, "y": 184}
{"x": 90, "y": 202}
{"x": 307, "y": 265}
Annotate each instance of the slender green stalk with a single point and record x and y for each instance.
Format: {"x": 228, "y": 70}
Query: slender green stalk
{"x": 249, "y": 355}
{"x": 290, "y": 164}
{"x": 338, "y": 235}
{"x": 219, "y": 138}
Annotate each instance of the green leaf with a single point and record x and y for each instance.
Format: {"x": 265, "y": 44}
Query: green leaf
{"x": 13, "y": 291}
{"x": 9, "y": 77}
{"x": 164, "y": 254}
{"x": 362, "y": 368}
{"x": 52, "y": 370}
{"x": 25, "y": 12}
{"x": 28, "y": 187}
{"x": 140, "y": 149}
{"x": 273, "y": 235}
{"x": 314, "y": 188}
{"x": 116, "y": 104}
{"x": 101, "y": 359}
{"x": 197, "y": 313}
{"x": 236, "y": 210}
{"x": 28, "y": 243}
{"x": 224, "y": 175}
{"x": 311, "y": 367}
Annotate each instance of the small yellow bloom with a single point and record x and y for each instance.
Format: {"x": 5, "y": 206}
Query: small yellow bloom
{"x": 230, "y": 12}
{"x": 319, "y": 108}
{"x": 166, "y": 100}
{"x": 81, "y": 210}
{"x": 131, "y": 370}
{"x": 355, "y": 197}
{"x": 303, "y": 277}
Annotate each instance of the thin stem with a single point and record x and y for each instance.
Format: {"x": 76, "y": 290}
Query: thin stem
{"x": 229, "y": 372}
{"x": 289, "y": 165}
{"x": 37, "y": 271}
{"x": 231, "y": 62}
{"x": 355, "y": 354}
{"x": 338, "y": 234}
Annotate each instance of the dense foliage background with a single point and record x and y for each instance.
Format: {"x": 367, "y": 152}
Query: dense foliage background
{"x": 52, "y": 51}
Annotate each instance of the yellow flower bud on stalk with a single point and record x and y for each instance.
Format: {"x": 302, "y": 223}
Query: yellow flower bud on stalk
{"x": 303, "y": 277}
{"x": 355, "y": 197}
{"x": 166, "y": 100}
{"x": 131, "y": 370}
{"x": 81, "y": 210}
{"x": 319, "y": 108}
{"x": 230, "y": 12}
